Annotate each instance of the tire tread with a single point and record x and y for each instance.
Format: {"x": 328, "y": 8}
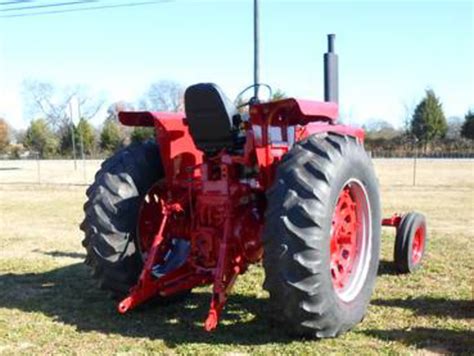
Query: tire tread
{"x": 294, "y": 240}
{"x": 111, "y": 212}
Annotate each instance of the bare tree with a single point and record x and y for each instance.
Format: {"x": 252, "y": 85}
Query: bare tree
{"x": 90, "y": 106}
{"x": 380, "y": 129}
{"x": 41, "y": 100}
{"x": 164, "y": 95}
{"x": 115, "y": 108}
{"x": 454, "y": 127}
{"x": 409, "y": 108}
{"x": 52, "y": 103}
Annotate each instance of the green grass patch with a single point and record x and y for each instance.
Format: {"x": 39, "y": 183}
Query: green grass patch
{"x": 46, "y": 306}
{"x": 49, "y": 303}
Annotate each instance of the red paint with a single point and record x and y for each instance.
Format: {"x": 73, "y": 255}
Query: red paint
{"x": 136, "y": 118}
{"x": 177, "y": 148}
{"x": 344, "y": 247}
{"x": 393, "y": 221}
{"x": 294, "y": 112}
{"x": 418, "y": 245}
{"x": 149, "y": 219}
{"x": 208, "y": 202}
{"x": 317, "y": 127}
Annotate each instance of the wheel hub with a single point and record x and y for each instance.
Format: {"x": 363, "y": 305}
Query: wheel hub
{"x": 343, "y": 239}
{"x": 350, "y": 241}
{"x": 149, "y": 219}
{"x": 418, "y": 246}
{"x": 172, "y": 251}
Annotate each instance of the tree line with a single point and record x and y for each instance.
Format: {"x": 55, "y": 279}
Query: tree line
{"x": 427, "y": 132}
{"x": 52, "y": 135}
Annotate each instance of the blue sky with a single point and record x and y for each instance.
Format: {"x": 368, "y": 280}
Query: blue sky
{"x": 390, "y": 52}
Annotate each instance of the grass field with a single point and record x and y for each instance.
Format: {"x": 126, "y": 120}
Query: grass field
{"x": 49, "y": 304}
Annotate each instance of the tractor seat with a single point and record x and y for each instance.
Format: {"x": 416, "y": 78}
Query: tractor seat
{"x": 209, "y": 114}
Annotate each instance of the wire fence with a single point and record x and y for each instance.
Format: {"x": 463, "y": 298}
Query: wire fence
{"x": 416, "y": 171}
{"x": 418, "y": 154}
{"x": 61, "y": 172}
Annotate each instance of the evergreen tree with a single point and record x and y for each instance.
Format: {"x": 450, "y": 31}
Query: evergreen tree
{"x": 65, "y": 141}
{"x": 278, "y": 95}
{"x": 467, "y": 129}
{"x": 41, "y": 139}
{"x": 4, "y": 135}
{"x": 110, "y": 137}
{"x": 142, "y": 134}
{"x": 428, "y": 121}
{"x": 88, "y": 136}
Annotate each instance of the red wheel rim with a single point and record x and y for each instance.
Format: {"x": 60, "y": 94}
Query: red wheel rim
{"x": 343, "y": 239}
{"x": 418, "y": 245}
{"x": 149, "y": 220}
{"x": 350, "y": 241}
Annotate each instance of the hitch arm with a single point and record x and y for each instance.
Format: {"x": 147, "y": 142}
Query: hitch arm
{"x": 142, "y": 291}
{"x": 148, "y": 286}
{"x": 226, "y": 273}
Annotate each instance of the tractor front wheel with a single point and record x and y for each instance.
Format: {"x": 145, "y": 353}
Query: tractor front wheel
{"x": 410, "y": 242}
{"x": 322, "y": 236}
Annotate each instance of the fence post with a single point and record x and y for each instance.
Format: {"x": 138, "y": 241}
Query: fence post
{"x": 414, "y": 166}
{"x": 73, "y": 138}
{"x": 84, "y": 166}
{"x": 38, "y": 167}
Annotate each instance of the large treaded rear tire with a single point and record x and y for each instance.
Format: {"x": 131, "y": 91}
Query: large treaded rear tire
{"x": 298, "y": 232}
{"x": 111, "y": 213}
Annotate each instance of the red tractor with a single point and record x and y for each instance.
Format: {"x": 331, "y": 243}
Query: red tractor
{"x": 219, "y": 190}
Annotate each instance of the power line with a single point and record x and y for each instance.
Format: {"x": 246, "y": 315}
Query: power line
{"x": 47, "y": 5}
{"x": 14, "y": 2}
{"x": 90, "y": 8}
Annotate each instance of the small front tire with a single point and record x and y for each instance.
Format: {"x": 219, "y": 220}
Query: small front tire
{"x": 410, "y": 242}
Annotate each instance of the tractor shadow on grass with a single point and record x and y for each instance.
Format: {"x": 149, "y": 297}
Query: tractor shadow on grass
{"x": 69, "y": 295}
{"x": 428, "y": 306}
{"x": 387, "y": 268}
{"x": 440, "y": 341}
{"x": 57, "y": 253}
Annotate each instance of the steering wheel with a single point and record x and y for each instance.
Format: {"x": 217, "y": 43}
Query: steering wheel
{"x": 253, "y": 99}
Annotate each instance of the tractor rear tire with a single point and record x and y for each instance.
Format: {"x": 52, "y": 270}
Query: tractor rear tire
{"x": 320, "y": 281}
{"x": 111, "y": 214}
{"x": 410, "y": 242}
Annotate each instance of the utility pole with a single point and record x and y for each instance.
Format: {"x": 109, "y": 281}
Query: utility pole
{"x": 415, "y": 140}
{"x": 256, "y": 40}
{"x": 73, "y": 138}
{"x": 38, "y": 167}
{"x": 81, "y": 137}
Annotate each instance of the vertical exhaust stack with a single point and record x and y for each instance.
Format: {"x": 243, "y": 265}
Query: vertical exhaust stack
{"x": 331, "y": 72}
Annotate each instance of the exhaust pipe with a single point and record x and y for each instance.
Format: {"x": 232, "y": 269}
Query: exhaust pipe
{"x": 331, "y": 72}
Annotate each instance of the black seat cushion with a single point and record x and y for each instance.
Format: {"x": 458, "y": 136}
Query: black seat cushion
{"x": 209, "y": 113}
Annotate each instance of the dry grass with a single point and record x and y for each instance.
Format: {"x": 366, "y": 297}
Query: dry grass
{"x": 48, "y": 171}
{"x": 49, "y": 303}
